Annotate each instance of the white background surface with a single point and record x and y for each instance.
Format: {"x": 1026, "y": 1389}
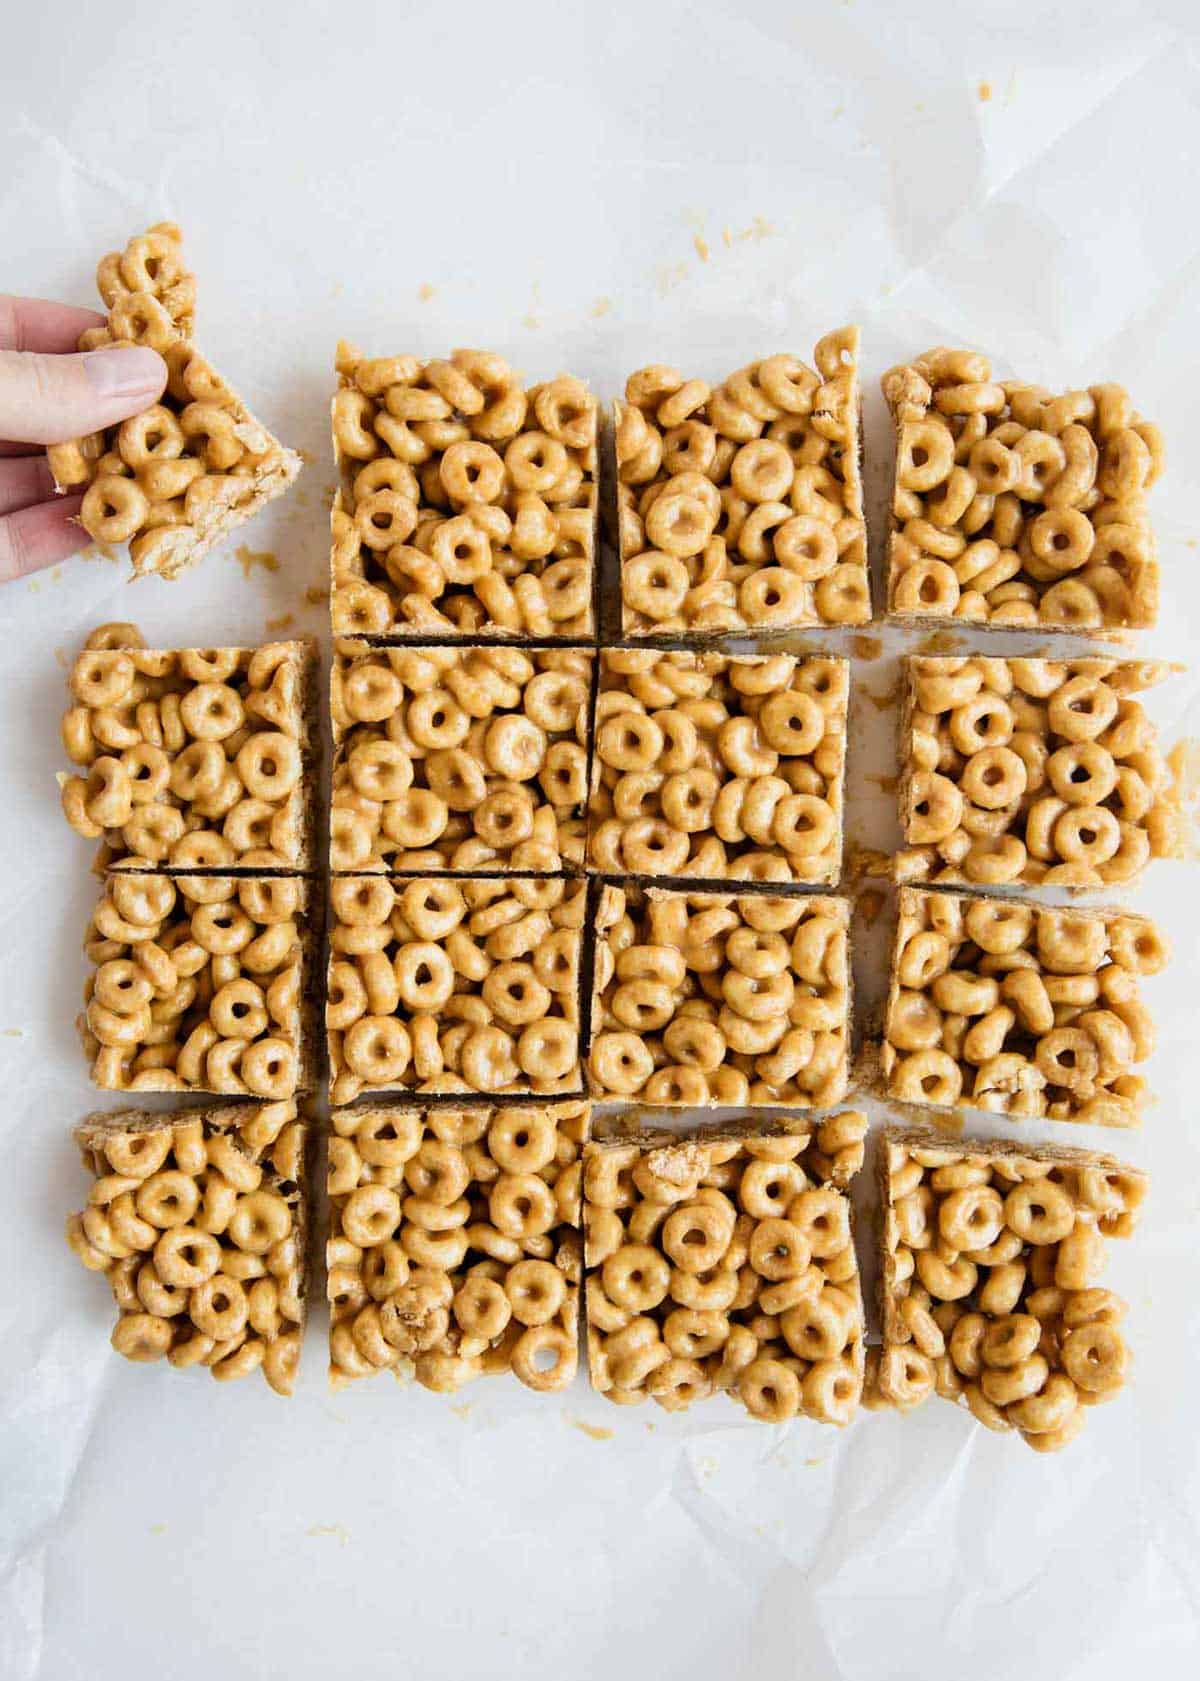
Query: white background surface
{"x": 553, "y": 174}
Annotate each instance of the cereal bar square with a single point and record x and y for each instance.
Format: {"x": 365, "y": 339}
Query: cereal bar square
{"x": 719, "y": 767}
{"x": 175, "y": 479}
{"x": 468, "y": 504}
{"x": 990, "y": 1257}
{"x": 725, "y": 1261}
{"x": 193, "y": 758}
{"x": 704, "y": 998}
{"x": 1015, "y": 507}
{"x": 740, "y": 507}
{"x": 459, "y": 758}
{"x": 462, "y": 984}
{"x": 1031, "y": 771}
{"x": 198, "y": 1218}
{"x": 454, "y": 1243}
{"x": 203, "y": 984}
{"x": 1019, "y": 1009}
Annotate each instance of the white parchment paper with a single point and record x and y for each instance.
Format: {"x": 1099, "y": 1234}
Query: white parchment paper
{"x": 589, "y": 188}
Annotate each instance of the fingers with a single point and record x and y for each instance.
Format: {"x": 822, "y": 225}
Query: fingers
{"x": 35, "y": 324}
{"x": 40, "y": 536}
{"x": 24, "y": 483}
{"x": 47, "y": 399}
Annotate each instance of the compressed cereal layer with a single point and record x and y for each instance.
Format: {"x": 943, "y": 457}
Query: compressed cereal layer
{"x": 740, "y": 507}
{"x": 727, "y": 1262}
{"x": 1019, "y": 1009}
{"x": 192, "y": 758}
{"x": 454, "y": 985}
{"x": 990, "y": 1259}
{"x": 200, "y": 983}
{"x": 454, "y": 1243}
{"x": 1013, "y": 506}
{"x": 459, "y": 758}
{"x": 700, "y": 998}
{"x": 1031, "y": 771}
{"x": 174, "y": 479}
{"x": 198, "y": 1219}
{"x": 719, "y": 767}
{"x": 467, "y": 503}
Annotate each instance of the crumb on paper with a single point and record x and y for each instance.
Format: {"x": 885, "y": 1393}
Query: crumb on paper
{"x": 315, "y": 594}
{"x": 13, "y": 1032}
{"x": 462, "y": 1409}
{"x": 809, "y": 1463}
{"x": 866, "y": 862}
{"x": 1183, "y": 762}
{"x": 884, "y": 698}
{"x": 701, "y": 245}
{"x": 594, "y": 1432}
{"x": 866, "y": 647}
{"x": 941, "y": 642}
{"x": 668, "y": 276}
{"x": 985, "y": 92}
{"x": 838, "y": 111}
{"x": 870, "y": 902}
{"x": 63, "y": 658}
{"x": 307, "y": 456}
{"x": 158, "y": 1529}
{"x": 600, "y": 307}
{"x": 530, "y": 321}
{"x": 727, "y": 235}
{"x": 248, "y": 558}
{"x": 281, "y": 622}
{"x": 336, "y": 290}
{"x": 887, "y": 780}
{"x": 425, "y": 291}
{"x": 338, "y": 1531}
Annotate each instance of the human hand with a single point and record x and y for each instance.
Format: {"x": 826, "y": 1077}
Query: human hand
{"x": 49, "y": 393}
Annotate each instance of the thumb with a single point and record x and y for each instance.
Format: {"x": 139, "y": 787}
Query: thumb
{"x": 50, "y": 399}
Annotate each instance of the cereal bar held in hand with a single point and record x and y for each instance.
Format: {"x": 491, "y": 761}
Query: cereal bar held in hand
{"x": 467, "y": 504}
{"x": 173, "y": 480}
{"x": 1031, "y": 772}
{"x": 725, "y": 1261}
{"x": 740, "y": 507}
{"x": 198, "y": 1219}
{"x": 719, "y": 767}
{"x": 1015, "y": 507}
{"x": 1019, "y": 1009}
{"x": 195, "y": 759}
{"x": 454, "y": 1243}
{"x": 990, "y": 1258}
{"x": 703, "y": 999}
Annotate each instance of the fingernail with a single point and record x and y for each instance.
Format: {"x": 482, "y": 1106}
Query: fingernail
{"x": 124, "y": 370}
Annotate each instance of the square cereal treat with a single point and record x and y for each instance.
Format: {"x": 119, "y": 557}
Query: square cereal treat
{"x": 740, "y": 508}
{"x": 193, "y": 758}
{"x": 173, "y": 480}
{"x": 1019, "y": 1009}
{"x": 202, "y": 983}
{"x": 990, "y": 1258}
{"x": 454, "y": 1243}
{"x": 1031, "y": 771}
{"x": 459, "y": 758}
{"x": 725, "y": 1261}
{"x": 704, "y": 998}
{"x": 454, "y": 985}
{"x": 1012, "y": 506}
{"x": 719, "y": 767}
{"x": 467, "y": 504}
{"x": 198, "y": 1219}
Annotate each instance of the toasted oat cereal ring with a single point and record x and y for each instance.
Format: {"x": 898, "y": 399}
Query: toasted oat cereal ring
{"x": 545, "y": 1358}
{"x": 378, "y": 1049}
{"x": 548, "y": 1050}
{"x": 818, "y": 1329}
{"x": 167, "y": 1199}
{"x": 696, "y": 1236}
{"x": 424, "y": 975}
{"x": 114, "y": 509}
{"x": 142, "y": 1337}
{"x": 185, "y": 1257}
{"x": 1049, "y": 1411}
{"x": 779, "y": 1250}
{"x": 823, "y": 1217}
{"x": 769, "y": 1390}
{"x": 906, "y": 1377}
{"x": 537, "y": 1291}
{"x": 1096, "y": 1358}
{"x": 212, "y": 711}
{"x": 972, "y": 1217}
{"x": 218, "y": 1307}
{"x": 1039, "y": 1211}
{"x": 261, "y": 1220}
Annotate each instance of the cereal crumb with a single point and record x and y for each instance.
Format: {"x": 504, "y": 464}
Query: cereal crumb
{"x": 281, "y": 622}
{"x": 315, "y": 594}
{"x": 727, "y": 235}
{"x": 248, "y": 559}
{"x": 888, "y": 697}
{"x": 158, "y": 1529}
{"x": 530, "y": 321}
{"x": 463, "y": 1409}
{"x": 985, "y": 92}
{"x": 307, "y": 456}
{"x": 63, "y": 658}
{"x": 870, "y": 902}
{"x": 941, "y": 642}
{"x": 864, "y": 862}
{"x": 337, "y": 1530}
{"x": 866, "y": 647}
{"x": 811, "y": 1462}
{"x": 888, "y": 782}
{"x": 14, "y": 1032}
{"x": 425, "y": 291}
{"x": 594, "y": 1432}
{"x": 701, "y": 245}
{"x": 600, "y": 307}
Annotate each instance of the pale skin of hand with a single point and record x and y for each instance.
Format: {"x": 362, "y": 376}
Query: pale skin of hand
{"x": 50, "y": 393}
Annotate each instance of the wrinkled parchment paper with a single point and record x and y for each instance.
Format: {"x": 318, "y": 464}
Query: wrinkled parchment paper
{"x": 586, "y": 188}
